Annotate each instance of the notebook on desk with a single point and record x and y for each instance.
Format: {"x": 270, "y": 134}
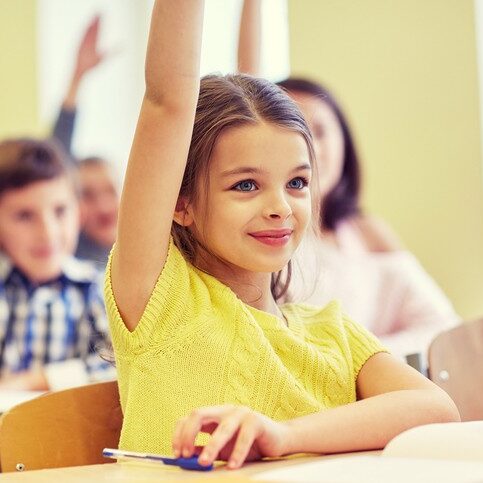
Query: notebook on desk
{"x": 446, "y": 453}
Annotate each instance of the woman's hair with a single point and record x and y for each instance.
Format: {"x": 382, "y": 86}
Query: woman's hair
{"x": 226, "y": 102}
{"x": 24, "y": 161}
{"x": 343, "y": 200}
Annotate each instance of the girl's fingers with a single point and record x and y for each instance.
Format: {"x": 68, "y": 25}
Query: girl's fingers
{"x": 244, "y": 441}
{"x": 225, "y": 431}
{"x": 193, "y": 424}
{"x": 190, "y": 429}
{"x": 226, "y": 423}
{"x": 176, "y": 444}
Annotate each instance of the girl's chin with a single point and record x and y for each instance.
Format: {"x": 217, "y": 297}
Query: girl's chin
{"x": 269, "y": 268}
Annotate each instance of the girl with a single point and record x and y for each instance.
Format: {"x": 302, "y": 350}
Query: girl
{"x": 216, "y": 199}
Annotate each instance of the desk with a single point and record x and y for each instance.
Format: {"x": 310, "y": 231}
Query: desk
{"x": 9, "y": 399}
{"x": 145, "y": 473}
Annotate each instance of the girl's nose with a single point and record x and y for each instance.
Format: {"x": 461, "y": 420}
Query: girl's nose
{"x": 278, "y": 208}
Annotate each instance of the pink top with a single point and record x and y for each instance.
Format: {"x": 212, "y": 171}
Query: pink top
{"x": 390, "y": 293}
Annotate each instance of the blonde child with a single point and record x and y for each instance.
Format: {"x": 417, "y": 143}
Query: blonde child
{"x": 216, "y": 199}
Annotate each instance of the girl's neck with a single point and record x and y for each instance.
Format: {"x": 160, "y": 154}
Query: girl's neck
{"x": 252, "y": 288}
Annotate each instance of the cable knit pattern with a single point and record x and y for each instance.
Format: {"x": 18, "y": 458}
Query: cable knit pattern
{"x": 197, "y": 344}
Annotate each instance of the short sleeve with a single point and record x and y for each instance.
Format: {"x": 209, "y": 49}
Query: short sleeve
{"x": 166, "y": 305}
{"x": 362, "y": 343}
{"x": 331, "y": 327}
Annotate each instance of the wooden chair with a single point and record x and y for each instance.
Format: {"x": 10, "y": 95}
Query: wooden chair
{"x": 456, "y": 365}
{"x": 58, "y": 429}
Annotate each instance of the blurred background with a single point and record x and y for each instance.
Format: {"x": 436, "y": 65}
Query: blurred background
{"x": 406, "y": 72}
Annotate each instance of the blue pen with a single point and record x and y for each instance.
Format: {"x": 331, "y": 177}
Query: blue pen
{"x": 185, "y": 463}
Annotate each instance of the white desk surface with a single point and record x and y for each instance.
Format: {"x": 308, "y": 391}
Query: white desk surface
{"x": 9, "y": 399}
{"x": 145, "y": 473}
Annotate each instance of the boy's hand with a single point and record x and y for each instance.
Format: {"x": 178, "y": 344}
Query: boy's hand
{"x": 238, "y": 434}
{"x": 32, "y": 380}
{"x": 88, "y": 55}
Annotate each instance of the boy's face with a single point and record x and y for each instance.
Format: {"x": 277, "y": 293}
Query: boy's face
{"x": 99, "y": 204}
{"x": 39, "y": 225}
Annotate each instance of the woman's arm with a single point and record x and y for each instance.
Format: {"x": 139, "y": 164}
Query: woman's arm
{"x": 249, "y": 38}
{"x": 158, "y": 154}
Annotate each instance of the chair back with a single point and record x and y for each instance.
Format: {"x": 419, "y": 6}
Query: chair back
{"x": 58, "y": 429}
{"x": 456, "y": 365}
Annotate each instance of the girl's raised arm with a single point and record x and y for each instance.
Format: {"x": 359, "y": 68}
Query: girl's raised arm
{"x": 158, "y": 154}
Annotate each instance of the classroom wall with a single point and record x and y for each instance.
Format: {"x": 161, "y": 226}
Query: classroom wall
{"x": 406, "y": 72}
{"x": 18, "y": 86}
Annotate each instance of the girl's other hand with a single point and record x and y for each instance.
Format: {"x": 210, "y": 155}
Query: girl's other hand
{"x": 238, "y": 434}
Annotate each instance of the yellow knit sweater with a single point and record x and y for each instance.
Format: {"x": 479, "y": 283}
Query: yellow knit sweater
{"x": 197, "y": 344}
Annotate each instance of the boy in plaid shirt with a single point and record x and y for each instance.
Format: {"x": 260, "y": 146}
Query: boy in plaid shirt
{"x": 53, "y": 327}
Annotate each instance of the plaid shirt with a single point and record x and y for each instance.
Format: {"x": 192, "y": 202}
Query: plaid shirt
{"x": 62, "y": 322}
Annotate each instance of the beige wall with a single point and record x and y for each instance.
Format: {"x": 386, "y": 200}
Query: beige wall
{"x": 406, "y": 72}
{"x": 18, "y": 81}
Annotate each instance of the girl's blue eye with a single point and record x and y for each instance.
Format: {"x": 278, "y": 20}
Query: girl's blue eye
{"x": 297, "y": 183}
{"x": 246, "y": 185}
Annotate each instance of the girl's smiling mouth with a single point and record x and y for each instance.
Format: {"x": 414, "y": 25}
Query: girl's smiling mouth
{"x": 273, "y": 237}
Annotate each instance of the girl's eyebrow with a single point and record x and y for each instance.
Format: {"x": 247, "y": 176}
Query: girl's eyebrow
{"x": 253, "y": 170}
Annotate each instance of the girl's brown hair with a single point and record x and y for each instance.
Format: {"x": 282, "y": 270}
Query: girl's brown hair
{"x": 225, "y": 102}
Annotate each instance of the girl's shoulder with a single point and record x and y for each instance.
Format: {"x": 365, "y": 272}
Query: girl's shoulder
{"x": 329, "y": 326}
{"x": 375, "y": 234}
{"x": 308, "y": 315}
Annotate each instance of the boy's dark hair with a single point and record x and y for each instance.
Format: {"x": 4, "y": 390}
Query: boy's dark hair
{"x": 24, "y": 161}
{"x": 343, "y": 200}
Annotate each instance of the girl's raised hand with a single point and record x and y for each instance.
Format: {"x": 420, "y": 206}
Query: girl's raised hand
{"x": 238, "y": 434}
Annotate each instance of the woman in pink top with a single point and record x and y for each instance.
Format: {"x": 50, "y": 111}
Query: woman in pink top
{"x": 356, "y": 258}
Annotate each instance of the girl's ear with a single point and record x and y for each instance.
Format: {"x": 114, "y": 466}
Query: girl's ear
{"x": 183, "y": 214}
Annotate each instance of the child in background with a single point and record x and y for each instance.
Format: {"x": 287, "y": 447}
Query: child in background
{"x": 355, "y": 258}
{"x": 215, "y": 201}
{"x": 99, "y": 207}
{"x": 99, "y": 194}
{"x": 52, "y": 318}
